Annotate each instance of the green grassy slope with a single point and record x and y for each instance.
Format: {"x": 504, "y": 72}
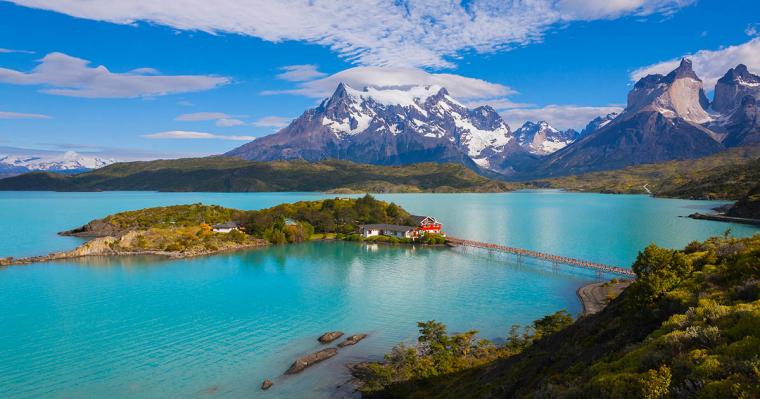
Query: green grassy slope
{"x": 218, "y": 174}
{"x": 688, "y": 327}
{"x": 727, "y": 175}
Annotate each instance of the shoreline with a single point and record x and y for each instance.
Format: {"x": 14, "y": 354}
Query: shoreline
{"x": 724, "y": 218}
{"x": 595, "y": 296}
{"x": 101, "y": 247}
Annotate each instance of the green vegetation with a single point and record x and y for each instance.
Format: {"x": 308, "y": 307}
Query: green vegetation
{"x": 172, "y": 216}
{"x": 687, "y": 327}
{"x": 747, "y": 207}
{"x": 727, "y": 175}
{"x": 189, "y": 228}
{"x": 221, "y": 174}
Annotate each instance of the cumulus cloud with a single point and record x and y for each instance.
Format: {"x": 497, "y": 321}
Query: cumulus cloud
{"x": 369, "y": 32}
{"x": 300, "y": 73}
{"x": 182, "y": 134}
{"x": 272, "y": 121}
{"x": 65, "y": 75}
{"x": 18, "y": 115}
{"x": 560, "y": 116}
{"x": 379, "y": 77}
{"x": 710, "y": 65}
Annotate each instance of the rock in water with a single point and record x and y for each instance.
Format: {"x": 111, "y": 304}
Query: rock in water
{"x": 352, "y": 340}
{"x": 266, "y": 385}
{"x": 309, "y": 360}
{"x": 328, "y": 337}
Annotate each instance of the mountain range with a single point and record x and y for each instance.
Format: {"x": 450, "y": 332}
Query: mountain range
{"x": 667, "y": 117}
{"x": 68, "y": 162}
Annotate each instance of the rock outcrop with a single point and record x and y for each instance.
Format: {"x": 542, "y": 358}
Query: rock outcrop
{"x": 266, "y": 385}
{"x": 352, "y": 340}
{"x": 309, "y": 360}
{"x": 328, "y": 337}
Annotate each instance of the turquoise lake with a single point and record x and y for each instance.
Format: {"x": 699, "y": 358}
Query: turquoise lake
{"x": 216, "y": 327}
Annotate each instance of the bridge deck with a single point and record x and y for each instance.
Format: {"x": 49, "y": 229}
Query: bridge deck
{"x": 540, "y": 255}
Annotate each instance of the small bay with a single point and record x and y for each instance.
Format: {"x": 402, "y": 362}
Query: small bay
{"x": 217, "y": 326}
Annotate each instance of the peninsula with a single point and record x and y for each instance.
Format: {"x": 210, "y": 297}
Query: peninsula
{"x": 183, "y": 231}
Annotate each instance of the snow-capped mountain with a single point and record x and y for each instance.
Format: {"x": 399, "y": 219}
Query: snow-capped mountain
{"x": 391, "y": 126}
{"x": 69, "y": 162}
{"x": 542, "y": 139}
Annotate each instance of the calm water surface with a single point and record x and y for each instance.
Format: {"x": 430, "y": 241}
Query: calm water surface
{"x": 217, "y": 326}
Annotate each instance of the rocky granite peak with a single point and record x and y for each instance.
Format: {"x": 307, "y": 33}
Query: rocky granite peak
{"x": 731, "y": 89}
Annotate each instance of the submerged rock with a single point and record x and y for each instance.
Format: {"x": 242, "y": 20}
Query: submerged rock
{"x": 266, "y": 385}
{"x": 352, "y": 340}
{"x": 309, "y": 360}
{"x": 328, "y": 337}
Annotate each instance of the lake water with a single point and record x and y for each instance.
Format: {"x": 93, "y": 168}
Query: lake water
{"x": 218, "y": 326}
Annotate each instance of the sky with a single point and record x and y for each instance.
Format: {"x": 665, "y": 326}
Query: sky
{"x": 145, "y": 79}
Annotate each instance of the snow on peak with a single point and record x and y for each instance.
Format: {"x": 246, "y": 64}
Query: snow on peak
{"x": 68, "y": 161}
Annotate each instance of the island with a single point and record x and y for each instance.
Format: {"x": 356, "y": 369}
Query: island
{"x": 183, "y": 231}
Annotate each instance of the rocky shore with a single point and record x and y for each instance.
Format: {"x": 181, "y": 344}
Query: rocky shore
{"x": 109, "y": 246}
{"x": 724, "y": 218}
{"x": 595, "y": 296}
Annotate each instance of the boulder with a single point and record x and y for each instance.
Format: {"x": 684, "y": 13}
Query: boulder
{"x": 328, "y": 337}
{"x": 352, "y": 340}
{"x": 266, "y": 385}
{"x": 309, "y": 360}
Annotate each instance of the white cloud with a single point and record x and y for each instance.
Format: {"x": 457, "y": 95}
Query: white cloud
{"x": 18, "y": 115}
{"x": 497, "y": 103}
{"x": 607, "y": 9}
{"x": 752, "y": 29}
{"x": 560, "y": 116}
{"x": 182, "y": 134}
{"x": 361, "y": 77}
{"x": 10, "y": 51}
{"x": 300, "y": 73}
{"x": 229, "y": 122}
{"x": 369, "y": 32}
{"x": 710, "y": 65}
{"x": 202, "y": 116}
{"x": 272, "y": 121}
{"x": 70, "y": 76}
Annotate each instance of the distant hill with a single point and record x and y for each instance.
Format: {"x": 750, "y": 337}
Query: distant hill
{"x": 726, "y": 175}
{"x": 221, "y": 174}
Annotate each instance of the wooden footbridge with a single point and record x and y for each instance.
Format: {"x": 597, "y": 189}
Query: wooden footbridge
{"x": 555, "y": 259}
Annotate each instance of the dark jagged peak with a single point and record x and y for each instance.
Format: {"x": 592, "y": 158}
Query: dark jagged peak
{"x": 733, "y": 87}
{"x": 684, "y": 70}
{"x": 598, "y": 123}
{"x": 740, "y": 74}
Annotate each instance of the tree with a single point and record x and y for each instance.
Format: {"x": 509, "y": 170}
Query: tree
{"x": 658, "y": 270}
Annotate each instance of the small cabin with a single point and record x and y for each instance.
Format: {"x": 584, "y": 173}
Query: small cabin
{"x": 427, "y": 224}
{"x": 226, "y": 227}
{"x": 393, "y": 230}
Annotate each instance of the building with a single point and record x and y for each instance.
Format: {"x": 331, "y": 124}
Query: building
{"x": 422, "y": 225}
{"x": 226, "y": 227}
{"x": 427, "y": 224}
{"x": 394, "y": 230}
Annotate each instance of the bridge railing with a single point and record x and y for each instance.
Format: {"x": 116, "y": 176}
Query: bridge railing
{"x": 540, "y": 255}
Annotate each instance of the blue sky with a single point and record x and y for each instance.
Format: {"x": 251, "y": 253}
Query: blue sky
{"x": 196, "y": 78}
